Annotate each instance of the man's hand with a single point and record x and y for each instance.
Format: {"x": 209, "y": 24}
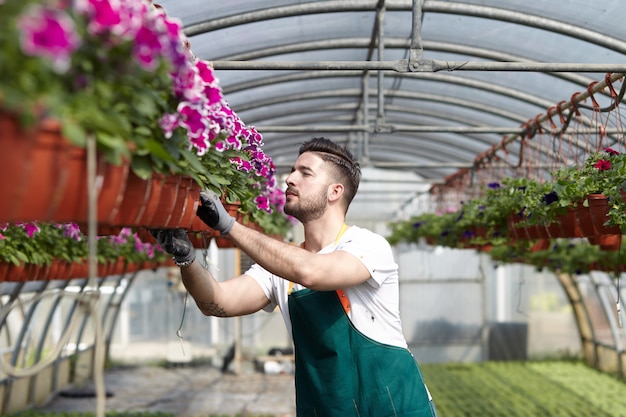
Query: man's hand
{"x": 212, "y": 212}
{"x": 176, "y": 243}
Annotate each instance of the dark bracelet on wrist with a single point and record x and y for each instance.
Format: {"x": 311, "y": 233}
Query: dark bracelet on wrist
{"x": 183, "y": 264}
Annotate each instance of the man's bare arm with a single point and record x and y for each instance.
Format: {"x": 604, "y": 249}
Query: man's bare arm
{"x": 315, "y": 271}
{"x": 237, "y": 296}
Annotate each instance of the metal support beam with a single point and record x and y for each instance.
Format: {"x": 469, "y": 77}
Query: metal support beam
{"x": 402, "y": 66}
{"x": 417, "y": 46}
{"x": 390, "y": 128}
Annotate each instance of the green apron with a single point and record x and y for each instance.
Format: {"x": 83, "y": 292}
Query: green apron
{"x": 342, "y": 373}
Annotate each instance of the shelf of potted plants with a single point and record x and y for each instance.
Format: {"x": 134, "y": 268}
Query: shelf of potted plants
{"x": 46, "y": 251}
{"x": 578, "y": 202}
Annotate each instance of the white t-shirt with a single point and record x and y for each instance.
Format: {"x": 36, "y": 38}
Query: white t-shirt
{"x": 374, "y": 304}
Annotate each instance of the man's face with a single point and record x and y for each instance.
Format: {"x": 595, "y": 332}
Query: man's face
{"x": 306, "y": 196}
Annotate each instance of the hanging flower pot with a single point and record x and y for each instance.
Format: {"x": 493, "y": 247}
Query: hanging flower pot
{"x": 167, "y": 201}
{"x": 112, "y": 267}
{"x": 140, "y": 202}
{"x": 599, "y": 209}
{"x": 536, "y": 231}
{"x": 515, "y": 231}
{"x": 541, "y": 244}
{"x": 4, "y": 269}
{"x": 569, "y": 224}
{"x": 109, "y": 186}
{"x": 79, "y": 270}
{"x": 33, "y": 168}
{"x": 584, "y": 220}
{"x": 554, "y": 230}
{"x": 60, "y": 270}
{"x": 24, "y": 272}
{"x": 200, "y": 240}
{"x": 191, "y": 206}
{"x": 609, "y": 242}
{"x": 564, "y": 226}
{"x": 178, "y": 212}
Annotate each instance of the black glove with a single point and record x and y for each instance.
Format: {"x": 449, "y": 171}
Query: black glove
{"x": 212, "y": 212}
{"x": 176, "y": 243}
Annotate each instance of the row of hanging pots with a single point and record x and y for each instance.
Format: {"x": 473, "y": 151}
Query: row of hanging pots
{"x": 62, "y": 270}
{"x": 579, "y": 222}
{"x": 43, "y": 178}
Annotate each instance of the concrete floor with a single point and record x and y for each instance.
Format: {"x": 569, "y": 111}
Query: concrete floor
{"x": 186, "y": 391}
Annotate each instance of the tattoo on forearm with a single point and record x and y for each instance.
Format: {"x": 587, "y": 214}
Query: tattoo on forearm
{"x": 212, "y": 309}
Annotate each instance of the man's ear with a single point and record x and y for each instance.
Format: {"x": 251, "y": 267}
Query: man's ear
{"x": 335, "y": 192}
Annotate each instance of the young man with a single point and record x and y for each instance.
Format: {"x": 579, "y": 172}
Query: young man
{"x": 338, "y": 293}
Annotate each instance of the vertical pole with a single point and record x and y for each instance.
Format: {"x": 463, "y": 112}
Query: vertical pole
{"x": 417, "y": 46}
{"x": 484, "y": 336}
{"x": 237, "y": 358}
{"x": 92, "y": 205}
{"x": 380, "y": 16}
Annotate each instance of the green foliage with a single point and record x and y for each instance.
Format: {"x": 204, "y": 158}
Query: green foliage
{"x": 275, "y": 223}
{"x": 602, "y": 173}
{"x": 40, "y": 243}
{"x": 520, "y": 389}
{"x": 436, "y": 228}
{"x": 18, "y": 247}
{"x": 571, "y": 256}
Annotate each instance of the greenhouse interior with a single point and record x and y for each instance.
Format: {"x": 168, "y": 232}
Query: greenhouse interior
{"x": 487, "y": 132}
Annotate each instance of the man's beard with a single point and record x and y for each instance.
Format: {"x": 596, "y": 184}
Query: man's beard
{"x": 309, "y": 209}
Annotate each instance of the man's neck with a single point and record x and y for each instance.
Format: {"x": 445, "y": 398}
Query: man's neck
{"x": 322, "y": 232}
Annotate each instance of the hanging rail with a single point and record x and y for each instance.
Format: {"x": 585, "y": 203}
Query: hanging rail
{"x": 402, "y": 66}
{"x": 530, "y": 128}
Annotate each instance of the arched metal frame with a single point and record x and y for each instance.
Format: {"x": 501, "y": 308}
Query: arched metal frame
{"x": 443, "y": 76}
{"x": 26, "y": 331}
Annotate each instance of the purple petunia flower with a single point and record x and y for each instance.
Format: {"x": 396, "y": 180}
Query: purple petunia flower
{"x": 550, "y": 198}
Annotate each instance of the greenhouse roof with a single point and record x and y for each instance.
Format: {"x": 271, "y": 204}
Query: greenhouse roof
{"x": 416, "y": 89}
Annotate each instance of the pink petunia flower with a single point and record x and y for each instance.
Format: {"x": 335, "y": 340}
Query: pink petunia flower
{"x": 263, "y": 203}
{"x": 49, "y": 33}
{"x": 168, "y": 123}
{"x": 104, "y": 15}
{"x": 31, "y": 229}
{"x": 147, "y": 48}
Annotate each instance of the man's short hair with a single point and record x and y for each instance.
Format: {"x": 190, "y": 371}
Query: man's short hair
{"x": 347, "y": 170}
